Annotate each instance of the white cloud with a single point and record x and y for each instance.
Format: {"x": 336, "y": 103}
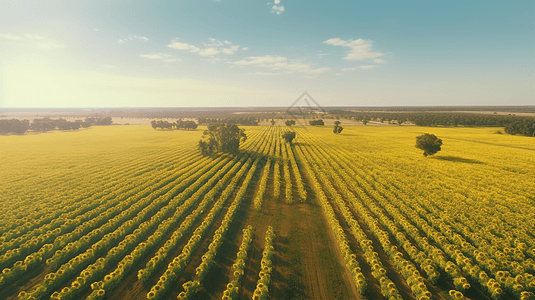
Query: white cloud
{"x": 277, "y": 9}
{"x": 277, "y": 1}
{"x": 261, "y": 60}
{"x": 161, "y": 56}
{"x": 370, "y": 67}
{"x": 38, "y": 41}
{"x": 267, "y": 73}
{"x": 183, "y": 46}
{"x": 359, "y": 49}
{"x": 133, "y": 37}
{"x": 280, "y": 63}
{"x": 214, "y": 43}
{"x": 49, "y": 45}
{"x": 213, "y": 48}
{"x": 230, "y": 50}
{"x": 379, "y": 61}
{"x": 34, "y": 37}
{"x": 348, "y": 69}
{"x": 209, "y": 52}
{"x": 10, "y": 36}
{"x": 245, "y": 48}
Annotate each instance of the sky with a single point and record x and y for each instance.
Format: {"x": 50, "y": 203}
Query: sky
{"x": 202, "y": 53}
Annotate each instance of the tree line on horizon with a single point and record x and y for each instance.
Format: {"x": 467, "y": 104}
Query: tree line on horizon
{"x": 46, "y": 124}
{"x": 179, "y": 124}
{"x": 523, "y": 125}
{"x": 243, "y": 120}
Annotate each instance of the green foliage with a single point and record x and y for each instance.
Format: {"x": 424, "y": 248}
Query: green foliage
{"x": 222, "y": 138}
{"x": 289, "y": 122}
{"x": 289, "y": 136}
{"x": 429, "y": 143}
{"x": 316, "y": 122}
{"x": 337, "y": 128}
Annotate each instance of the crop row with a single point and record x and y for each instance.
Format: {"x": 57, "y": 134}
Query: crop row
{"x": 239, "y": 265}
{"x": 415, "y": 212}
{"x": 80, "y": 235}
{"x": 179, "y": 263}
{"x": 130, "y": 218}
{"x": 341, "y": 240}
{"x": 261, "y": 291}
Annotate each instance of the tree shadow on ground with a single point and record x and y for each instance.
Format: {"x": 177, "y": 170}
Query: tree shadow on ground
{"x": 459, "y": 159}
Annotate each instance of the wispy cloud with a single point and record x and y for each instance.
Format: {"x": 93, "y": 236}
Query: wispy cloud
{"x": 230, "y": 50}
{"x": 358, "y": 49}
{"x": 161, "y": 56}
{"x": 38, "y": 41}
{"x": 213, "y": 48}
{"x": 8, "y": 36}
{"x": 209, "y": 52}
{"x": 276, "y": 8}
{"x": 49, "y": 45}
{"x": 267, "y": 73}
{"x": 184, "y": 46}
{"x": 370, "y": 67}
{"x": 348, "y": 69}
{"x": 133, "y": 37}
{"x": 274, "y": 62}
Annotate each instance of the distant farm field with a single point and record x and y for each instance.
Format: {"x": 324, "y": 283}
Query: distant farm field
{"x": 129, "y": 212}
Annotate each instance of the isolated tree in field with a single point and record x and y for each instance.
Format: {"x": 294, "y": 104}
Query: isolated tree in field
{"x": 222, "y": 138}
{"x": 289, "y": 136}
{"x": 337, "y": 128}
{"x": 429, "y": 143}
{"x": 273, "y": 122}
{"x": 289, "y": 122}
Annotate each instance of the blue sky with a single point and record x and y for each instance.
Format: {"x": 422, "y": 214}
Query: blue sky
{"x": 265, "y": 53}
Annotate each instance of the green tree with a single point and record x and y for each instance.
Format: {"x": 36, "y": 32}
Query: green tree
{"x": 316, "y": 122}
{"x": 337, "y": 128}
{"x": 429, "y": 143}
{"x": 289, "y": 122}
{"x": 289, "y": 136}
{"x": 222, "y": 138}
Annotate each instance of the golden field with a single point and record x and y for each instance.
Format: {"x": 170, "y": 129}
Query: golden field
{"x": 129, "y": 212}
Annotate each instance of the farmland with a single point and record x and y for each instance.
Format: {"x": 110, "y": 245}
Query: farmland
{"x": 129, "y": 212}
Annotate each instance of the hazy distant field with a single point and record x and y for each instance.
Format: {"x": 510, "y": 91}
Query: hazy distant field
{"x": 359, "y": 215}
